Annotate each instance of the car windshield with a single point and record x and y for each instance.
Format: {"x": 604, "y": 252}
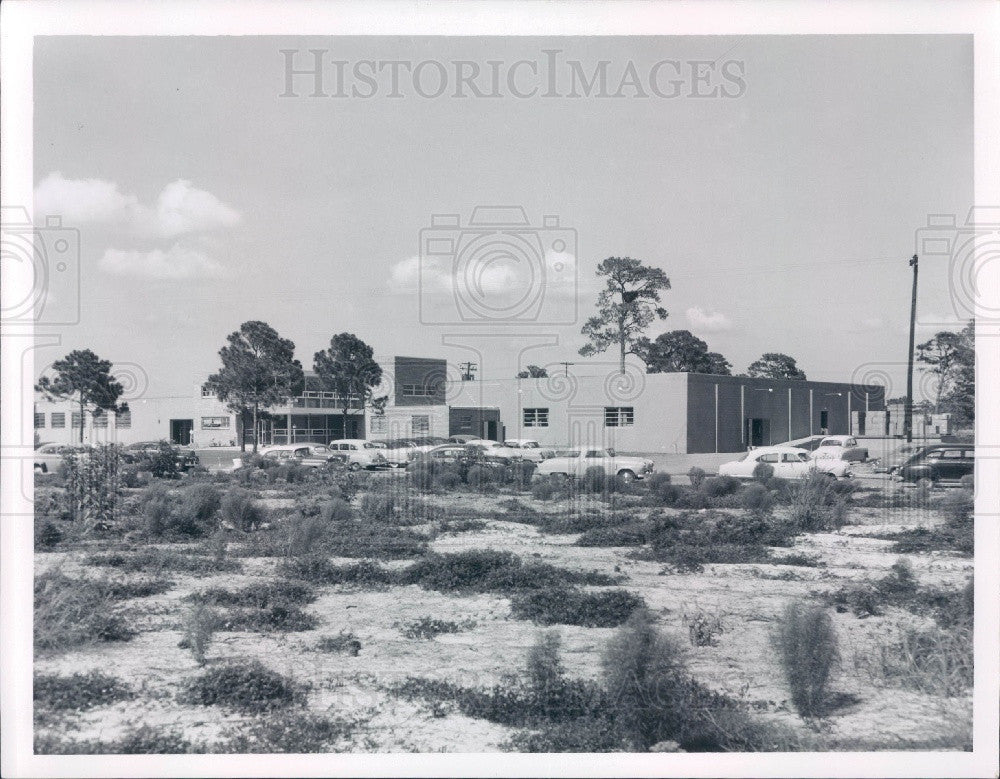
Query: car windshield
{"x": 373, "y": 445}
{"x": 568, "y": 453}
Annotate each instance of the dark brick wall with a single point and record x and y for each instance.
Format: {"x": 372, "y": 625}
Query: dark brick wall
{"x": 427, "y": 373}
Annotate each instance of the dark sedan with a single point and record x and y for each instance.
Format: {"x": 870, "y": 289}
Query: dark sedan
{"x": 942, "y": 464}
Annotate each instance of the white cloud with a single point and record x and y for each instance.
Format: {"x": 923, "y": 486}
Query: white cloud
{"x": 175, "y": 263}
{"x": 490, "y": 276}
{"x": 180, "y": 209}
{"x": 715, "y": 322}
{"x": 83, "y": 201}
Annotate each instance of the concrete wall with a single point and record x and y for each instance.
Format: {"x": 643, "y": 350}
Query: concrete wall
{"x": 576, "y": 408}
{"x": 719, "y": 405}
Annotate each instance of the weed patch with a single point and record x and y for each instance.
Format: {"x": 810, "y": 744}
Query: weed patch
{"x": 155, "y": 561}
{"x": 428, "y": 627}
{"x": 562, "y": 605}
{"x": 246, "y": 686}
{"x": 79, "y": 691}
{"x": 808, "y": 651}
{"x": 343, "y": 643}
{"x": 70, "y": 612}
{"x": 288, "y": 733}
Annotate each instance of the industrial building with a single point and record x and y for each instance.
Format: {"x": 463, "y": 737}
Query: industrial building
{"x": 635, "y": 412}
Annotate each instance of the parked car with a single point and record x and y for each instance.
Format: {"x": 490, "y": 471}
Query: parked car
{"x": 462, "y": 439}
{"x": 400, "y": 451}
{"x": 48, "y": 456}
{"x": 574, "y": 462}
{"x": 809, "y": 443}
{"x": 361, "y": 453}
{"x": 463, "y": 457}
{"x": 840, "y": 447}
{"x": 307, "y": 455}
{"x": 941, "y": 463}
{"x": 891, "y": 462}
{"x": 145, "y": 451}
{"x": 788, "y": 462}
{"x": 530, "y": 449}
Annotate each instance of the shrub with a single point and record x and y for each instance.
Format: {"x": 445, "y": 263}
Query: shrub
{"x": 153, "y": 560}
{"x": 521, "y": 473}
{"x": 563, "y": 605}
{"x": 142, "y": 740}
{"x": 199, "y": 626}
{"x": 544, "y": 489}
{"x": 697, "y": 476}
{"x": 718, "y": 486}
{"x": 428, "y": 627}
{"x": 447, "y": 478}
{"x": 195, "y": 515}
{"x": 93, "y": 486}
{"x": 80, "y": 691}
{"x": 624, "y": 535}
{"x": 285, "y": 732}
{"x": 420, "y": 472}
{"x": 703, "y": 628}
{"x": 47, "y": 536}
{"x": 245, "y": 686}
{"x": 932, "y": 660}
{"x": 594, "y": 479}
{"x": 763, "y": 473}
{"x": 378, "y": 506}
{"x": 321, "y": 571}
{"x": 337, "y": 510}
{"x": 808, "y": 651}
{"x": 70, "y": 612}
{"x": 757, "y": 499}
{"x": 342, "y": 643}
{"x": 290, "y": 473}
{"x": 238, "y": 510}
{"x": 659, "y": 486}
{"x": 957, "y": 507}
{"x": 304, "y": 534}
{"x": 480, "y": 476}
{"x": 814, "y": 505}
{"x": 968, "y": 482}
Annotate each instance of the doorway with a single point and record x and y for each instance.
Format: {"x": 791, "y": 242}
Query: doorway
{"x": 758, "y": 431}
{"x": 181, "y": 431}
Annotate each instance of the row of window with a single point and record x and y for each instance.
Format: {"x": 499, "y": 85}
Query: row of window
{"x": 614, "y": 416}
{"x": 421, "y": 391}
{"x": 57, "y": 419}
{"x": 420, "y": 424}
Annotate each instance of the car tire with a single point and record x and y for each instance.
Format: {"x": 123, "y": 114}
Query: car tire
{"x": 626, "y": 476}
{"x": 41, "y": 468}
{"x": 354, "y": 467}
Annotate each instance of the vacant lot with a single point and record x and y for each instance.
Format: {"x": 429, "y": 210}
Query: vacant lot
{"x": 283, "y": 610}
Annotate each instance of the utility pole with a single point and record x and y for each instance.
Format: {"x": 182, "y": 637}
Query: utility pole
{"x": 908, "y": 407}
{"x": 565, "y": 366}
{"x": 468, "y": 368}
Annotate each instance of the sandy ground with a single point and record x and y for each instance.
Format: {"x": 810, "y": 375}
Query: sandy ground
{"x": 746, "y": 598}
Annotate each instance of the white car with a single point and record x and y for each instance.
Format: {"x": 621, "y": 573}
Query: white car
{"x": 529, "y": 449}
{"x": 788, "y": 462}
{"x": 49, "y": 456}
{"x": 574, "y": 462}
{"x": 307, "y": 455}
{"x": 401, "y": 451}
{"x": 840, "y": 447}
{"x": 361, "y": 453}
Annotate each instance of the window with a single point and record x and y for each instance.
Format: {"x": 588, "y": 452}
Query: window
{"x": 536, "y": 417}
{"x": 951, "y": 454}
{"x": 421, "y": 424}
{"x": 619, "y": 416}
{"x": 794, "y": 458}
{"x": 207, "y": 393}
{"x": 39, "y": 419}
{"x": 465, "y": 422}
{"x": 419, "y": 391}
{"x": 768, "y": 458}
{"x": 77, "y": 419}
{"x": 58, "y": 419}
{"x": 211, "y": 423}
{"x": 100, "y": 419}
{"x": 378, "y": 425}
{"x": 123, "y": 419}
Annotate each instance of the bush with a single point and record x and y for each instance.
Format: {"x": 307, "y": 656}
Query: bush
{"x": 321, "y": 571}
{"x": 659, "y": 487}
{"x": 342, "y": 643}
{"x": 718, "y": 486}
{"x": 199, "y": 626}
{"x": 808, "y": 651}
{"x": 545, "y": 489}
{"x": 153, "y": 560}
{"x": 238, "y": 510}
{"x": 47, "y": 536}
{"x": 563, "y": 605}
{"x": 420, "y": 472}
{"x": 957, "y": 507}
{"x": 447, "y": 479}
{"x": 93, "y": 486}
{"x": 697, "y": 476}
{"x": 428, "y": 627}
{"x": 634, "y": 534}
{"x": 304, "y": 534}
{"x": 245, "y": 686}
{"x": 337, "y": 510}
{"x": 763, "y": 473}
{"x": 80, "y": 691}
{"x": 380, "y": 506}
{"x": 70, "y": 612}
{"x": 288, "y": 733}
{"x": 521, "y": 474}
{"x": 195, "y": 516}
{"x": 968, "y": 482}
{"x": 264, "y": 606}
{"x": 480, "y": 476}
{"x": 814, "y": 506}
{"x": 595, "y": 480}
{"x": 757, "y": 499}
{"x": 143, "y": 740}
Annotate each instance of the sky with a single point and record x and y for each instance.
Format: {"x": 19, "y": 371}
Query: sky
{"x": 783, "y": 206}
